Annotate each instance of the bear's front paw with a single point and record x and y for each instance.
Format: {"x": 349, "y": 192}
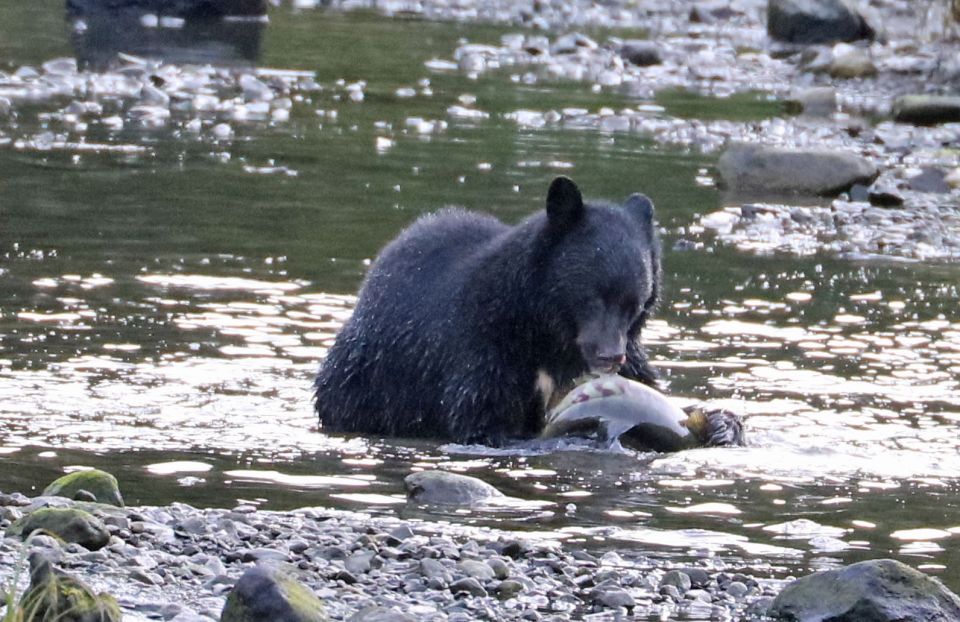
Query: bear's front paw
{"x": 724, "y": 428}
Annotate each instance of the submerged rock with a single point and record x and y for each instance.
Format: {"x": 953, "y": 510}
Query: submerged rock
{"x": 68, "y": 524}
{"x": 445, "y": 488}
{"x": 800, "y": 171}
{"x": 271, "y": 593}
{"x": 55, "y": 595}
{"x": 816, "y": 21}
{"x": 881, "y": 590}
{"x": 102, "y": 485}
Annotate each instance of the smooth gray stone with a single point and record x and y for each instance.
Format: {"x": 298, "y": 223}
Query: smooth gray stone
{"x": 824, "y": 172}
{"x": 445, "y": 488}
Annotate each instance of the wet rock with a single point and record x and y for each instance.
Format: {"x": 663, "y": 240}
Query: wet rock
{"x": 476, "y": 569}
{"x": 468, "y": 585}
{"x": 816, "y": 21}
{"x": 699, "y": 578}
{"x": 677, "y": 579}
{"x": 883, "y": 193}
{"x": 359, "y": 563}
{"x": 614, "y": 597}
{"x": 380, "y": 614}
{"x": 55, "y": 595}
{"x": 68, "y": 524}
{"x": 737, "y": 589}
{"x": 851, "y": 62}
{"x": 641, "y": 52}
{"x": 500, "y": 569}
{"x": 926, "y": 109}
{"x": 930, "y": 180}
{"x": 100, "y": 484}
{"x": 801, "y": 171}
{"x": 271, "y": 593}
{"x": 882, "y": 590}
{"x": 816, "y": 101}
{"x": 432, "y": 569}
{"x": 509, "y": 589}
{"x": 445, "y": 488}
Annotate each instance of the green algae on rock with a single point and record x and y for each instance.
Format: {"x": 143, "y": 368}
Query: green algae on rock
{"x": 68, "y": 524}
{"x": 879, "y": 590}
{"x": 102, "y": 485}
{"x": 269, "y": 592}
{"x": 55, "y": 595}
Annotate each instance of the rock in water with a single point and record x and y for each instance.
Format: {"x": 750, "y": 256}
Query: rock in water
{"x": 271, "y": 593}
{"x": 100, "y": 484}
{"x": 445, "y": 488}
{"x": 68, "y": 524}
{"x": 798, "y": 171}
{"x": 55, "y": 595}
{"x": 880, "y": 590}
{"x": 816, "y": 21}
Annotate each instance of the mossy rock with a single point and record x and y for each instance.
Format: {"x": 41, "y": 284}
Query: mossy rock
{"x": 271, "y": 593}
{"x": 880, "y": 590}
{"x": 100, "y": 484}
{"x": 68, "y": 524}
{"x": 54, "y": 596}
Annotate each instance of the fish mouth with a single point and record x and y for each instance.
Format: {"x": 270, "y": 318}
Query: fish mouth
{"x": 607, "y": 365}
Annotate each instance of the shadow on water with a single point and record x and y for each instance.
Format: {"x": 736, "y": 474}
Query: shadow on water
{"x": 163, "y": 310}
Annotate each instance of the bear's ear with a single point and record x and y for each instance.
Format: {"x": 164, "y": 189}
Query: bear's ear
{"x": 641, "y": 209}
{"x": 564, "y": 203}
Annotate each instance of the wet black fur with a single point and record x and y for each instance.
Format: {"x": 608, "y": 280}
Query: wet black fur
{"x": 459, "y": 312}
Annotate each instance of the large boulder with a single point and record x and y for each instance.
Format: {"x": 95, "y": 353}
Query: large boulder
{"x": 777, "y": 170}
{"x": 816, "y": 21}
{"x": 96, "y": 483}
{"x": 68, "y": 524}
{"x": 880, "y": 590}
{"x": 269, "y": 592}
{"x": 55, "y": 595}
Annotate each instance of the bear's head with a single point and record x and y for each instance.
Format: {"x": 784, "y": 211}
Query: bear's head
{"x": 601, "y": 272}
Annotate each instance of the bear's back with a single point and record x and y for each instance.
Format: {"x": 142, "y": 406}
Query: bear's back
{"x": 433, "y": 256}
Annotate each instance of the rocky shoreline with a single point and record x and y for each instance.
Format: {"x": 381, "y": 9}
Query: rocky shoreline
{"x": 179, "y": 563}
{"x": 77, "y": 560}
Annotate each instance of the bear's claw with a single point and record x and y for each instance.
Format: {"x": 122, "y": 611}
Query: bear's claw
{"x": 724, "y": 428}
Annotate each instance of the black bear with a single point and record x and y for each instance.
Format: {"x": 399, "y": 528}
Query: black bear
{"x": 464, "y": 326}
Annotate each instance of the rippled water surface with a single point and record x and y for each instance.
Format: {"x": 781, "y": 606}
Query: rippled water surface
{"x": 163, "y": 311}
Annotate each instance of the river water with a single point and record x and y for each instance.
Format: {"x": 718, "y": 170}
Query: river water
{"x": 163, "y": 312}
